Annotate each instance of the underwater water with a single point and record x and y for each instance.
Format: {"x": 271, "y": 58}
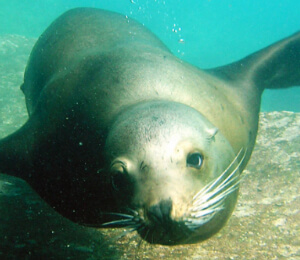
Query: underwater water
{"x": 206, "y": 33}
{"x": 265, "y": 223}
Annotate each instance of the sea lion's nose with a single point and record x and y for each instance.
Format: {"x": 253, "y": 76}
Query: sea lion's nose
{"x": 161, "y": 212}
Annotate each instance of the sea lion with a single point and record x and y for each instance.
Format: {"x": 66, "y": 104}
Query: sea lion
{"x": 122, "y": 132}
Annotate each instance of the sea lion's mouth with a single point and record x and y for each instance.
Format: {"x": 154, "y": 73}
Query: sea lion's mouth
{"x": 207, "y": 214}
{"x": 168, "y": 232}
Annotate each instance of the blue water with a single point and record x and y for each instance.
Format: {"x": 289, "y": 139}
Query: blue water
{"x": 206, "y": 33}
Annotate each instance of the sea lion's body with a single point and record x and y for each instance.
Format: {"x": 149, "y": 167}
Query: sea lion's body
{"x": 90, "y": 74}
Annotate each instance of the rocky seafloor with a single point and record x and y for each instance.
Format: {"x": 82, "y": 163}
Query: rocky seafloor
{"x": 264, "y": 225}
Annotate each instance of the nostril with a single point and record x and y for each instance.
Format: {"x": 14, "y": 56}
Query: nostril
{"x": 166, "y": 207}
{"x": 160, "y": 212}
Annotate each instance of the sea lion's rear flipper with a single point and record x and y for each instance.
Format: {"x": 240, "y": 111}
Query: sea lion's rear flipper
{"x": 276, "y": 66}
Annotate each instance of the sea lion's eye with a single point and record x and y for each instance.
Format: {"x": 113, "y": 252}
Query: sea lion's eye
{"x": 194, "y": 160}
{"x": 119, "y": 176}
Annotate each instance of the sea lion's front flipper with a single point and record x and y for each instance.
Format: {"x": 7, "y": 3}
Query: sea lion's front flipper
{"x": 276, "y": 66}
{"x": 16, "y": 151}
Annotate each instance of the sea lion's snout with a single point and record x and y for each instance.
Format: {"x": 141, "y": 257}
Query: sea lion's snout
{"x": 160, "y": 213}
{"x": 160, "y": 227}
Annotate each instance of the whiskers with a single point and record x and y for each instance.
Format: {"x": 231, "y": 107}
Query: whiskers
{"x": 125, "y": 220}
{"x": 131, "y": 222}
{"x": 209, "y": 200}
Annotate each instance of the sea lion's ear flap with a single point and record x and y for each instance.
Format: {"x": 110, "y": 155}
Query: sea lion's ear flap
{"x": 276, "y": 66}
{"x": 211, "y": 133}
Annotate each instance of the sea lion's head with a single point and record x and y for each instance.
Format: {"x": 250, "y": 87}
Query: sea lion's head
{"x": 173, "y": 171}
